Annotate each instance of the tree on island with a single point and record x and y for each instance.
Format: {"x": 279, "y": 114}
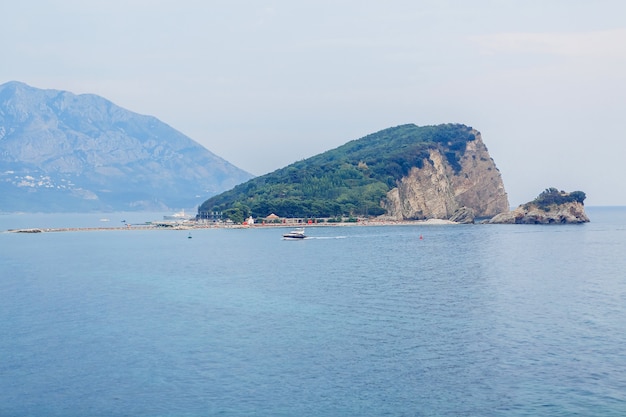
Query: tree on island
{"x": 552, "y": 196}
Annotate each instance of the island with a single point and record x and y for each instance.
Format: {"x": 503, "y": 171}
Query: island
{"x": 550, "y": 207}
{"x": 402, "y": 173}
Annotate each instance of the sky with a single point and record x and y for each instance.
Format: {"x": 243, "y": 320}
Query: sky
{"x": 263, "y": 84}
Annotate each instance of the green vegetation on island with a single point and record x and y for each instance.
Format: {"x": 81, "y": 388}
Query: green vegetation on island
{"x": 348, "y": 181}
{"x": 552, "y": 196}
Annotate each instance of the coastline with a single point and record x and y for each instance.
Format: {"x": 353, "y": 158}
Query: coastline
{"x": 198, "y": 226}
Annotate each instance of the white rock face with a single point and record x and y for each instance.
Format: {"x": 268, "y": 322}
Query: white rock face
{"x": 437, "y": 191}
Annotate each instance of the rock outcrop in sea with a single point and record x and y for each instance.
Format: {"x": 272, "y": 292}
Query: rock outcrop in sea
{"x": 438, "y": 191}
{"x": 463, "y": 215}
{"x": 550, "y": 207}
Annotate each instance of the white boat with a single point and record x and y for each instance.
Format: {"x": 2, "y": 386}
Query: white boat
{"x": 295, "y": 234}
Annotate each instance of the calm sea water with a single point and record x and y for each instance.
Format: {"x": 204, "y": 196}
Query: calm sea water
{"x": 471, "y": 320}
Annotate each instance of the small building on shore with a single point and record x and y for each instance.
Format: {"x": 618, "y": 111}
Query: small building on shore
{"x": 272, "y": 218}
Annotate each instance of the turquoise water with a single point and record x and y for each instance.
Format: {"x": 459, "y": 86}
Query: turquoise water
{"x": 471, "y": 320}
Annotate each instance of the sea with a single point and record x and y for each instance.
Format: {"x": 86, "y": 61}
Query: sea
{"x": 394, "y": 320}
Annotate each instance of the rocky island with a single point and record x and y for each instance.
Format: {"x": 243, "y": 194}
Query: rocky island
{"x": 550, "y": 207}
{"x": 403, "y": 173}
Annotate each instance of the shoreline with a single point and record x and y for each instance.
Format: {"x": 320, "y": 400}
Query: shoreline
{"x": 188, "y": 226}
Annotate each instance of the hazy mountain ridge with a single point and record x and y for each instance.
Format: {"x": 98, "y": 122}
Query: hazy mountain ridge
{"x": 65, "y": 152}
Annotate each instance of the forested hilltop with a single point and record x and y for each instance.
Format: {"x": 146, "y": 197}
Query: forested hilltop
{"x": 351, "y": 180}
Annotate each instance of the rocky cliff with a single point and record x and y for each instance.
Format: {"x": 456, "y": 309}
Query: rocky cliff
{"x": 438, "y": 190}
{"x": 551, "y": 207}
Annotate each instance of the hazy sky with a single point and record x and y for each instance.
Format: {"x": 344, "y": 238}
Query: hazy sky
{"x": 266, "y": 83}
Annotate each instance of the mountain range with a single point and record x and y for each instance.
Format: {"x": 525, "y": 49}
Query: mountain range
{"x": 61, "y": 152}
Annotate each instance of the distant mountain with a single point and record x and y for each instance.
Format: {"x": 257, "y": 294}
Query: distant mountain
{"x": 61, "y": 152}
{"x": 403, "y": 173}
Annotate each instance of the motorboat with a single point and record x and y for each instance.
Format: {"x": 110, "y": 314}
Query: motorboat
{"x": 295, "y": 234}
